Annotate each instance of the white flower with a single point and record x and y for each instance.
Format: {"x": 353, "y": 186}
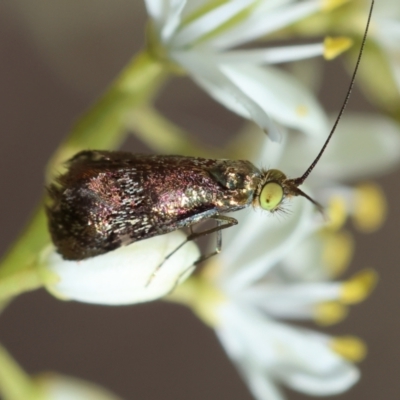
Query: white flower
{"x": 125, "y": 275}
{"x": 200, "y": 39}
{"x": 274, "y": 268}
{"x": 16, "y": 384}
{"x": 59, "y": 387}
{"x": 256, "y": 287}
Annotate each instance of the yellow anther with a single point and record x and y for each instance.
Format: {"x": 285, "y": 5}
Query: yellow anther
{"x": 337, "y": 251}
{"x": 329, "y": 5}
{"x": 329, "y": 313}
{"x": 333, "y": 47}
{"x": 349, "y": 347}
{"x": 336, "y": 213}
{"x": 359, "y": 287}
{"x": 370, "y": 208}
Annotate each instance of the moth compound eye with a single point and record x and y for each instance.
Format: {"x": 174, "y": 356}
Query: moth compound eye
{"x": 271, "y": 196}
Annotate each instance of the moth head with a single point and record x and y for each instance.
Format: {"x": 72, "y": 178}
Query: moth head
{"x": 276, "y": 188}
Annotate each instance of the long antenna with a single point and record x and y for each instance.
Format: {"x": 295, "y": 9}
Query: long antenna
{"x": 300, "y": 180}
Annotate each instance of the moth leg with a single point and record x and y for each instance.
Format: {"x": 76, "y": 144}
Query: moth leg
{"x": 223, "y": 222}
{"x": 229, "y": 221}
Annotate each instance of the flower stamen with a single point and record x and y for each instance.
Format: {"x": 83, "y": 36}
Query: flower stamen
{"x": 359, "y": 287}
{"x": 337, "y": 251}
{"x": 349, "y": 347}
{"x": 336, "y": 213}
{"x": 370, "y": 207}
{"x": 333, "y": 47}
{"x": 329, "y": 313}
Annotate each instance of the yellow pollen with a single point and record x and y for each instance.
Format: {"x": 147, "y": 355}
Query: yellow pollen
{"x": 329, "y": 5}
{"x": 336, "y": 46}
{"x": 329, "y": 313}
{"x": 302, "y": 110}
{"x": 349, "y": 347}
{"x": 370, "y": 208}
{"x": 337, "y": 251}
{"x": 359, "y": 287}
{"x": 336, "y": 213}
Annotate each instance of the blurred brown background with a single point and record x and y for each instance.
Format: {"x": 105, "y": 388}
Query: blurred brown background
{"x": 55, "y": 59}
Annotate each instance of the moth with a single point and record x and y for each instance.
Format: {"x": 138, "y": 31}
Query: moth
{"x": 108, "y": 199}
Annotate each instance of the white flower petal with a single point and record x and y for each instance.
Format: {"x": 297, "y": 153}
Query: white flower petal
{"x": 124, "y": 276}
{"x": 244, "y": 334}
{"x": 260, "y": 383}
{"x": 298, "y": 357}
{"x": 281, "y": 96}
{"x": 286, "y": 299}
{"x": 271, "y": 55}
{"x": 236, "y": 347}
{"x": 268, "y": 17}
{"x": 193, "y": 6}
{"x": 268, "y": 153}
{"x": 267, "y": 240}
{"x": 158, "y": 10}
{"x": 305, "y": 262}
{"x": 209, "y": 21}
{"x": 173, "y": 19}
{"x": 207, "y": 75}
{"x": 334, "y": 382}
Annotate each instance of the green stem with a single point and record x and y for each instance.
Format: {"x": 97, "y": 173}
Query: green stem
{"x": 102, "y": 127}
{"x": 162, "y": 135}
{"x": 15, "y": 384}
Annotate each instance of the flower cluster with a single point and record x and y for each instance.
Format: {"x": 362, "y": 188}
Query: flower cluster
{"x": 201, "y": 39}
{"x": 277, "y": 268}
